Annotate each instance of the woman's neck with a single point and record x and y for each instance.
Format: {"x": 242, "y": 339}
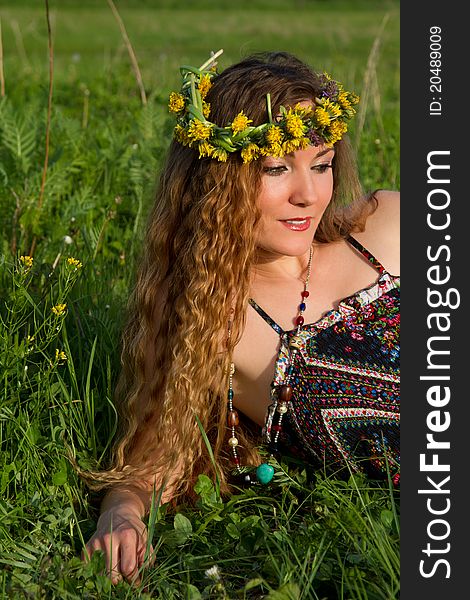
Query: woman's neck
{"x": 275, "y": 267}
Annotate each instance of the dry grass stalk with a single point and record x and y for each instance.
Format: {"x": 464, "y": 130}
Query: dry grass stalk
{"x": 130, "y": 50}
{"x": 2, "y": 76}
{"x": 48, "y": 121}
{"x": 370, "y": 77}
{"x": 20, "y": 44}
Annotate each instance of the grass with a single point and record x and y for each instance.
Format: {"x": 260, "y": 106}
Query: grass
{"x": 302, "y": 539}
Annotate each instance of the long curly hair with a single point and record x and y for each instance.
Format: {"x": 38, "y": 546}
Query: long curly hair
{"x": 195, "y": 274}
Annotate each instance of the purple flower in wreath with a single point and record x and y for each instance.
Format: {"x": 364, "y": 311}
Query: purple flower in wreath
{"x": 330, "y": 87}
{"x": 316, "y": 139}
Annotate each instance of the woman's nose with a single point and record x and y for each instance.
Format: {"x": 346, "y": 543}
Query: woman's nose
{"x": 304, "y": 192}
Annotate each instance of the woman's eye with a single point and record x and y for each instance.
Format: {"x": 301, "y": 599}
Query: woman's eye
{"x": 322, "y": 168}
{"x": 277, "y": 170}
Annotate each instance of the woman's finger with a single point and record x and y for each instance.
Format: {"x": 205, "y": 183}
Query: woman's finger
{"x": 150, "y": 557}
{"x": 91, "y": 547}
{"x": 113, "y": 570}
{"x": 128, "y": 558}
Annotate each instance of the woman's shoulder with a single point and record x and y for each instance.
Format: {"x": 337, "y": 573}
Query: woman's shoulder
{"x": 381, "y": 234}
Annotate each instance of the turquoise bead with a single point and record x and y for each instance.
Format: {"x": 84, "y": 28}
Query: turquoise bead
{"x": 264, "y": 473}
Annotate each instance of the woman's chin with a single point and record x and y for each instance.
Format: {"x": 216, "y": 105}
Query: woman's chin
{"x": 297, "y": 248}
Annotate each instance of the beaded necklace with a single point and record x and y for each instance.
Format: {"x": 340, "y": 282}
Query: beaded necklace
{"x": 265, "y": 472}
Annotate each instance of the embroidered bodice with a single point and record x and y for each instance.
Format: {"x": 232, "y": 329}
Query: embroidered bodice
{"x": 345, "y": 379}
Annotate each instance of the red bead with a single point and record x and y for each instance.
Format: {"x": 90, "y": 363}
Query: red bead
{"x": 285, "y": 393}
{"x": 305, "y": 294}
{"x": 299, "y": 320}
{"x": 277, "y": 427}
{"x": 236, "y": 461}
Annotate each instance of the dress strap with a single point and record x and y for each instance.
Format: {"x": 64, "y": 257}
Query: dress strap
{"x": 370, "y": 257}
{"x": 266, "y": 317}
{"x": 367, "y": 255}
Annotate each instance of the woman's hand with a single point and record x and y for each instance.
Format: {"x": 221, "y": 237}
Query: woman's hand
{"x": 122, "y": 537}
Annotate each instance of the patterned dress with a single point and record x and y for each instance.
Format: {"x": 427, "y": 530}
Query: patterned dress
{"x": 345, "y": 410}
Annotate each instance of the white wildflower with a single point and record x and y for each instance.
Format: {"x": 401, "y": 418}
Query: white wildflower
{"x": 213, "y": 573}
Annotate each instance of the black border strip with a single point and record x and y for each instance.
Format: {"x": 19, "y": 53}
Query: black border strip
{"x": 434, "y": 245}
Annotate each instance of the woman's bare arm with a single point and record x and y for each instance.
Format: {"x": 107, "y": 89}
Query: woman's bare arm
{"x": 121, "y": 533}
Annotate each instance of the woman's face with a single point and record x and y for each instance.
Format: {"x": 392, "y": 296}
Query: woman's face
{"x": 295, "y": 191}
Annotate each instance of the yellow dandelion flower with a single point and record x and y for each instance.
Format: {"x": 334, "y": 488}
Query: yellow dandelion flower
{"x": 272, "y": 150}
{"x": 74, "y": 262}
{"x": 304, "y": 111}
{"x": 176, "y": 103}
{"x": 205, "y": 149}
{"x": 26, "y": 261}
{"x": 343, "y": 100}
{"x": 288, "y": 146}
{"x": 337, "y": 130}
{"x": 296, "y": 144}
{"x": 240, "y": 122}
{"x": 353, "y": 98}
{"x": 59, "y": 309}
{"x": 206, "y": 109}
{"x": 205, "y": 85}
{"x": 198, "y": 130}
{"x": 333, "y": 109}
{"x": 220, "y": 154}
{"x": 274, "y": 135}
{"x": 322, "y": 116}
{"x": 250, "y": 152}
{"x": 59, "y": 355}
{"x": 294, "y": 124}
{"x": 181, "y": 135}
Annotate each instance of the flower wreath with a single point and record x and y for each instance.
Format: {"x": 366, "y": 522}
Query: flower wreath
{"x": 294, "y": 129}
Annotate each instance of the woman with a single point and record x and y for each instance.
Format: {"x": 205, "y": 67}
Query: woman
{"x": 262, "y": 256}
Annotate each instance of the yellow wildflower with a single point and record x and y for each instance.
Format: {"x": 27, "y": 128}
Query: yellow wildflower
{"x": 337, "y": 130}
{"x": 198, "y": 130}
{"x": 181, "y": 135}
{"x": 333, "y": 108}
{"x": 296, "y": 144}
{"x": 274, "y": 135}
{"x": 206, "y": 109}
{"x": 240, "y": 122}
{"x": 205, "y": 149}
{"x": 74, "y": 262}
{"x": 220, "y": 154}
{"x": 59, "y": 309}
{"x": 59, "y": 355}
{"x": 322, "y": 116}
{"x": 353, "y": 98}
{"x": 27, "y": 261}
{"x": 344, "y": 100}
{"x": 250, "y": 152}
{"x": 205, "y": 85}
{"x": 272, "y": 150}
{"x": 304, "y": 111}
{"x": 176, "y": 103}
{"x": 294, "y": 124}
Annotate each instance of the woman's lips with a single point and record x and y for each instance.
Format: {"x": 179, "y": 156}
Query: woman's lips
{"x": 297, "y": 224}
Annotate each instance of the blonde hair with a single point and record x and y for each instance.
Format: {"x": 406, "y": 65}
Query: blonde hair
{"x": 197, "y": 259}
